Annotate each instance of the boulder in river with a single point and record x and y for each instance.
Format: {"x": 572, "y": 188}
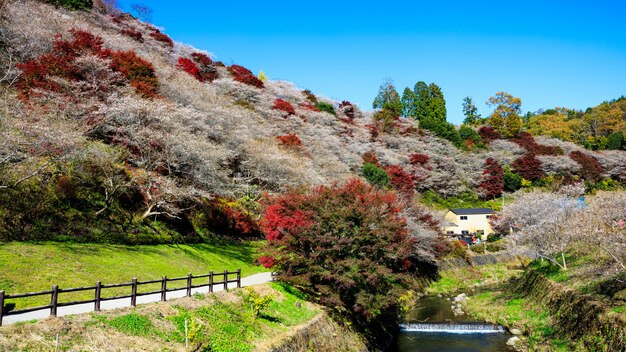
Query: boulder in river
{"x": 513, "y": 341}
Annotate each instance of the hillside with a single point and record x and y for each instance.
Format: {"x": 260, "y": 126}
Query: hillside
{"x": 157, "y": 146}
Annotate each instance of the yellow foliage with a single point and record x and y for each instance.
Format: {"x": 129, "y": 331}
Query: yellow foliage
{"x": 262, "y": 77}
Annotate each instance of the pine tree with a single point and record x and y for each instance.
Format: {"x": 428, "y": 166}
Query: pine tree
{"x": 436, "y": 104}
{"x": 408, "y": 103}
{"x": 472, "y": 117}
{"x": 492, "y": 179}
{"x": 422, "y": 100}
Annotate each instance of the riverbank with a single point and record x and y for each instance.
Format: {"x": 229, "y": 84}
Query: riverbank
{"x": 546, "y": 316}
{"x": 222, "y": 321}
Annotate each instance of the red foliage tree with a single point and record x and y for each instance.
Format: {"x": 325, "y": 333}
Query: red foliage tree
{"x": 206, "y": 67}
{"x": 309, "y": 106}
{"x": 401, "y": 181}
{"x": 590, "y": 169}
{"x": 529, "y": 167}
{"x": 526, "y": 141}
{"x": 370, "y": 157}
{"x": 285, "y": 106}
{"x": 243, "y": 75}
{"x": 190, "y": 67}
{"x": 135, "y": 34}
{"x": 350, "y": 246}
{"x": 348, "y": 109}
{"x": 419, "y": 159}
{"x": 290, "y": 141}
{"x": 488, "y": 134}
{"x": 138, "y": 71}
{"x": 222, "y": 217}
{"x": 492, "y": 179}
{"x": 38, "y": 74}
{"x": 162, "y": 38}
{"x": 202, "y": 59}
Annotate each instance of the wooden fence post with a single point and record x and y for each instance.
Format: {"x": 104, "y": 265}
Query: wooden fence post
{"x": 239, "y": 278}
{"x": 163, "y": 288}
{"x": 211, "y": 281}
{"x": 98, "y": 295}
{"x": 1, "y": 306}
{"x": 189, "y": 285}
{"x": 54, "y": 301}
{"x": 225, "y": 280}
{"x": 133, "y": 293}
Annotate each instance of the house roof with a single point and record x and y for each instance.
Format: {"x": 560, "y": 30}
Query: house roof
{"x": 472, "y": 211}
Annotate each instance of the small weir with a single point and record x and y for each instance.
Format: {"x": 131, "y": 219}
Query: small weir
{"x": 453, "y": 328}
{"x": 433, "y": 326}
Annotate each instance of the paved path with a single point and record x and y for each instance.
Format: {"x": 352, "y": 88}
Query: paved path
{"x": 255, "y": 279}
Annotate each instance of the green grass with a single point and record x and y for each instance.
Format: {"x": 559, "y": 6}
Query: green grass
{"x": 465, "y": 200}
{"x": 620, "y": 309}
{"x": 36, "y": 267}
{"x": 217, "y": 325}
{"x": 460, "y": 279}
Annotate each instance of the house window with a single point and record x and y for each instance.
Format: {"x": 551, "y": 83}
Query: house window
{"x": 463, "y": 217}
{"x": 450, "y": 232}
{"x": 464, "y": 232}
{"x": 489, "y": 216}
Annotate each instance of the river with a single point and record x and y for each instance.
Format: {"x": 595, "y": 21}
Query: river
{"x": 432, "y": 326}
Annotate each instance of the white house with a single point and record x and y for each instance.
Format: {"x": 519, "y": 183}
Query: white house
{"x": 469, "y": 221}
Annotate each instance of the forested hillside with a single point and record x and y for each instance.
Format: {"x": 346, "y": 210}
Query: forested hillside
{"x": 114, "y": 132}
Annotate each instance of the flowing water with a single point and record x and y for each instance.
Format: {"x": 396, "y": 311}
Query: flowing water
{"x": 432, "y": 326}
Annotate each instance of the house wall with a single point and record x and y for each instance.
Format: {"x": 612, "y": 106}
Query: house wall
{"x": 474, "y": 223}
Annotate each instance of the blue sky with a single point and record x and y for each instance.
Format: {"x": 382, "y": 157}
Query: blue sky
{"x": 548, "y": 53}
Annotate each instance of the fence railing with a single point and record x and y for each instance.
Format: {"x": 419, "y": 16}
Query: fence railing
{"x": 134, "y": 284}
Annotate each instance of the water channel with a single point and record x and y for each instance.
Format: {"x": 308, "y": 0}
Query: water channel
{"x": 433, "y": 326}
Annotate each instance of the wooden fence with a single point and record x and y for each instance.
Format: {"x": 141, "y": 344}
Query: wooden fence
{"x": 99, "y": 287}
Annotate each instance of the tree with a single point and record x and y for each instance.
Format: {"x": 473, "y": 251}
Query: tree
{"x": 142, "y": 12}
{"x": 505, "y": 118}
{"x": 540, "y": 222}
{"x": 472, "y": 117}
{"x": 388, "y": 98}
{"x": 492, "y": 180}
{"x": 436, "y": 104}
{"x": 422, "y": 100}
{"x": 512, "y": 181}
{"x": 349, "y": 247}
{"x": 529, "y": 167}
{"x": 408, "y": 103}
{"x": 615, "y": 141}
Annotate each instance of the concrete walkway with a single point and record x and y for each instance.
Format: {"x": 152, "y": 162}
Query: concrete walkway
{"x": 251, "y": 280}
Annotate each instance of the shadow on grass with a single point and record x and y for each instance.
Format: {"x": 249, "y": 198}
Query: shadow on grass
{"x": 270, "y": 318}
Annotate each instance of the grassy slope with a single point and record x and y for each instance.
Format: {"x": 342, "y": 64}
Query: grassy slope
{"x": 36, "y": 267}
{"x": 216, "y": 322}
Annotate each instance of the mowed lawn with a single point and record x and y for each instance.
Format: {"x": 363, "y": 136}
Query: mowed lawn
{"x": 26, "y": 267}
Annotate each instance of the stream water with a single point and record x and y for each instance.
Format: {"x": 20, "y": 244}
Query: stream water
{"x": 432, "y": 326}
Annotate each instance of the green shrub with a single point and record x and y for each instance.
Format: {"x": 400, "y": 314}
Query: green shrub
{"x": 326, "y": 107}
{"x": 132, "y": 324}
{"x": 376, "y": 175}
{"x": 496, "y": 246}
{"x": 73, "y": 4}
{"x": 256, "y": 302}
{"x": 512, "y": 181}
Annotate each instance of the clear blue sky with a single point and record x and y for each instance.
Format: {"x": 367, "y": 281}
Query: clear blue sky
{"x": 548, "y": 53}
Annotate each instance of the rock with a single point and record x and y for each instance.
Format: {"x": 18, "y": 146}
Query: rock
{"x": 515, "y": 331}
{"x": 461, "y": 297}
{"x": 513, "y": 341}
{"x": 439, "y": 295}
{"x": 298, "y": 304}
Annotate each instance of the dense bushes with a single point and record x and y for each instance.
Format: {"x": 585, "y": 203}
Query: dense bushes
{"x": 190, "y": 67}
{"x": 285, "y": 106}
{"x": 243, "y": 75}
{"x": 492, "y": 181}
{"x": 206, "y": 67}
{"x": 162, "y": 38}
{"x": 138, "y": 71}
{"x": 590, "y": 169}
{"x": 526, "y": 141}
{"x": 326, "y": 107}
{"x": 529, "y": 167}
{"x": 376, "y": 175}
{"x": 230, "y": 217}
{"x": 38, "y": 75}
{"x": 419, "y": 159}
{"x": 349, "y": 247}
{"x": 488, "y": 134}
{"x": 72, "y": 4}
{"x": 290, "y": 141}
{"x": 401, "y": 181}
{"x": 135, "y": 34}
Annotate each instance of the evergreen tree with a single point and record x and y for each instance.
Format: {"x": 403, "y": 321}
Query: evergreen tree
{"x": 388, "y": 98}
{"x": 422, "y": 100}
{"x": 436, "y": 104}
{"x": 472, "y": 117}
{"x": 408, "y": 103}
